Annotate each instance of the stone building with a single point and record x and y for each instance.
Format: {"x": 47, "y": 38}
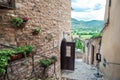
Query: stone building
{"x": 54, "y": 19}
{"x": 110, "y": 48}
{"x": 91, "y": 48}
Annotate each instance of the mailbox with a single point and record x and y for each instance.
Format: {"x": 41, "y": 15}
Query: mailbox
{"x": 98, "y": 57}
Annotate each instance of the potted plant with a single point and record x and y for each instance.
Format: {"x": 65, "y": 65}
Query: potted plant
{"x": 45, "y": 64}
{"x": 8, "y": 55}
{"x": 29, "y": 50}
{"x": 3, "y": 63}
{"x": 53, "y": 59}
{"x": 25, "y": 19}
{"x": 4, "y": 57}
{"x": 20, "y": 52}
{"x": 19, "y": 22}
{"x": 36, "y": 30}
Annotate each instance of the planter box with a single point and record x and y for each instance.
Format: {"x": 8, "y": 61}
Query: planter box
{"x": 35, "y": 33}
{"x": 19, "y": 56}
{"x": 16, "y": 56}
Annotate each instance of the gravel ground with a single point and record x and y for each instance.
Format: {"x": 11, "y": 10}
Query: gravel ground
{"x": 82, "y": 72}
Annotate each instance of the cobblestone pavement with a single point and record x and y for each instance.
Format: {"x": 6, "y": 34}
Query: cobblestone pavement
{"x": 82, "y": 72}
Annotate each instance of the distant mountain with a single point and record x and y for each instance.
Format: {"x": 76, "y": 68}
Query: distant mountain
{"x": 93, "y": 24}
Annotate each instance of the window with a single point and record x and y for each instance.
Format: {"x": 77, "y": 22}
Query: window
{"x": 7, "y": 4}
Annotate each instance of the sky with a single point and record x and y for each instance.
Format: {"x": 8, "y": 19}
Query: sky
{"x": 87, "y": 10}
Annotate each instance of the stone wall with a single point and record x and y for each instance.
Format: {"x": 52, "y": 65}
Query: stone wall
{"x": 94, "y": 48}
{"x": 91, "y": 48}
{"x": 52, "y": 16}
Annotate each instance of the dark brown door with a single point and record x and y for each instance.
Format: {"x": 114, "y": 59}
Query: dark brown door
{"x": 67, "y": 55}
{"x": 92, "y": 61}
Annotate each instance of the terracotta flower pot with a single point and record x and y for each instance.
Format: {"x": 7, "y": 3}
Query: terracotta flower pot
{"x": 22, "y": 25}
{"x": 16, "y": 57}
{"x": 25, "y": 19}
{"x": 35, "y": 33}
{"x": 28, "y": 54}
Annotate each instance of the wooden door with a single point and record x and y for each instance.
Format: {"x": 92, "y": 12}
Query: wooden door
{"x": 67, "y": 55}
{"x": 92, "y": 55}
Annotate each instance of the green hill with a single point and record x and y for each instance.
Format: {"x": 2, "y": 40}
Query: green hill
{"x": 91, "y": 25}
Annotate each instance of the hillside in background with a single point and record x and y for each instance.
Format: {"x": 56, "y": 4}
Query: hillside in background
{"x": 95, "y": 25}
{"x": 85, "y": 30}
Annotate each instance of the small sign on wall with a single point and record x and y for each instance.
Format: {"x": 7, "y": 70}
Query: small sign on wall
{"x": 55, "y": 43}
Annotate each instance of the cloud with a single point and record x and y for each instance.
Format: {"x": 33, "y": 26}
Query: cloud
{"x": 88, "y": 9}
{"x": 81, "y": 9}
{"x": 97, "y": 7}
{"x": 74, "y": 0}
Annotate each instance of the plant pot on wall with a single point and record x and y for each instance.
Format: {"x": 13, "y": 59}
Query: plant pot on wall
{"x": 19, "y": 22}
{"x": 36, "y": 31}
{"x": 16, "y": 56}
{"x": 22, "y": 25}
{"x": 21, "y": 52}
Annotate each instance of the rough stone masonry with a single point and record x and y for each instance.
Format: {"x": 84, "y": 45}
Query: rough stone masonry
{"x": 54, "y": 19}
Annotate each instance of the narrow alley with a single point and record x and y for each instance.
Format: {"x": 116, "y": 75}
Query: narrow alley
{"x": 82, "y": 72}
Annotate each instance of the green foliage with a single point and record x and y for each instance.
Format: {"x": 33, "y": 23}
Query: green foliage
{"x": 37, "y": 30}
{"x": 85, "y": 30}
{"x": 29, "y": 48}
{"x": 90, "y": 25}
{"x": 2, "y": 70}
{"x": 21, "y": 49}
{"x": 96, "y": 35}
{"x": 3, "y": 60}
{"x": 6, "y": 52}
{"x": 17, "y": 21}
{"x": 80, "y": 45}
{"x": 54, "y": 58}
{"x": 45, "y": 63}
{"x": 5, "y": 55}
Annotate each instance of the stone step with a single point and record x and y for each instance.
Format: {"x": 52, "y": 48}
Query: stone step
{"x": 63, "y": 78}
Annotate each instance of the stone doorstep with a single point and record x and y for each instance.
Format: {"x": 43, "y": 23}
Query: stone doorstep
{"x": 87, "y": 79}
{"x": 67, "y": 79}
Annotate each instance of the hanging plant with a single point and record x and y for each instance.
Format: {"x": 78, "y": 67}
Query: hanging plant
{"x": 8, "y": 55}
{"x": 45, "y": 63}
{"x": 36, "y": 30}
{"x": 53, "y": 59}
{"x": 19, "y": 22}
{"x": 25, "y": 19}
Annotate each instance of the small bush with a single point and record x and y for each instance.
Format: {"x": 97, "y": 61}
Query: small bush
{"x": 45, "y": 63}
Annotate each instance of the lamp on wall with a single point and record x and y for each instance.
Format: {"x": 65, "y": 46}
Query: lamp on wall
{"x": 65, "y": 35}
